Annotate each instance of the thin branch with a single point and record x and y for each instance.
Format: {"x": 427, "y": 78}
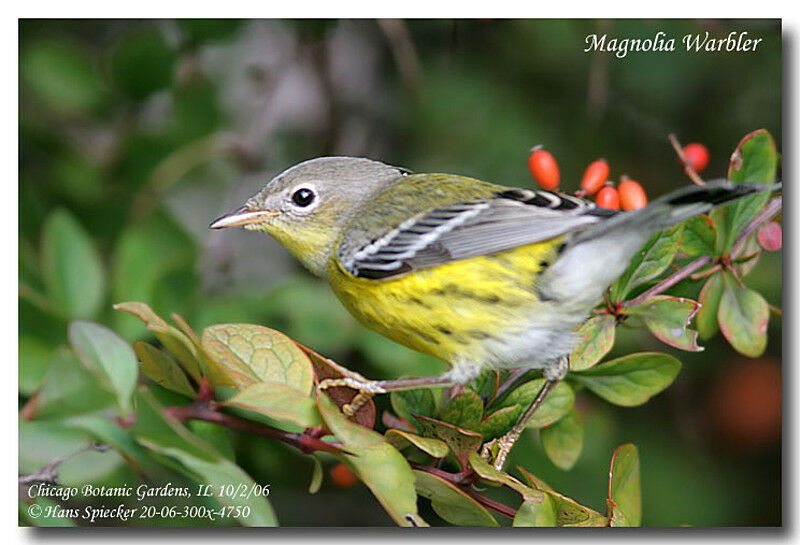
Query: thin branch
{"x": 207, "y": 412}
{"x": 463, "y": 480}
{"x": 769, "y": 211}
{"x": 496, "y": 506}
{"x": 687, "y": 167}
{"x": 671, "y": 280}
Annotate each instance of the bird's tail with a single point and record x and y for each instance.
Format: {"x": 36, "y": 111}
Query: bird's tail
{"x": 675, "y": 207}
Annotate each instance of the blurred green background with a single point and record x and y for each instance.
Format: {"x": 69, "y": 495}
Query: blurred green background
{"x": 134, "y": 135}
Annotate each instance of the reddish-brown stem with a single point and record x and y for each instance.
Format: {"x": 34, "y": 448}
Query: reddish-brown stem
{"x": 463, "y": 480}
{"x": 687, "y": 168}
{"x": 496, "y": 506}
{"x": 207, "y": 412}
{"x": 458, "y": 479}
{"x": 670, "y": 281}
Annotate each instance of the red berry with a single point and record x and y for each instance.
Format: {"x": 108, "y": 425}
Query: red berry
{"x": 595, "y": 176}
{"x": 608, "y": 197}
{"x": 696, "y": 155}
{"x": 544, "y": 169}
{"x": 342, "y": 476}
{"x": 631, "y": 195}
{"x": 770, "y": 236}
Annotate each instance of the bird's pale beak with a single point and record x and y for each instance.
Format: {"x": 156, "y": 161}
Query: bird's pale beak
{"x": 242, "y": 216}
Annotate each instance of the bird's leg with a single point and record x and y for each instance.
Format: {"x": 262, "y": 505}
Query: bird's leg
{"x": 552, "y": 376}
{"x": 460, "y": 374}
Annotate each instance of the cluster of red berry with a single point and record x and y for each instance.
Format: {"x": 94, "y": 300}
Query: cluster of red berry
{"x": 627, "y": 195}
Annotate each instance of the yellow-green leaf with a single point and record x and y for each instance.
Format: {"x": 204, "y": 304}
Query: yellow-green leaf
{"x": 279, "y": 401}
{"x": 109, "y": 357}
{"x": 536, "y": 513}
{"x": 71, "y": 266}
{"x": 743, "y": 318}
{"x": 460, "y": 441}
{"x": 625, "y": 486}
{"x": 464, "y": 410}
{"x": 630, "y": 380}
{"x": 668, "y": 318}
{"x": 709, "y": 298}
{"x": 596, "y": 340}
{"x": 259, "y": 354}
{"x": 451, "y": 503}
{"x": 178, "y": 344}
{"x": 401, "y": 439}
{"x": 563, "y": 441}
{"x": 557, "y": 404}
{"x": 376, "y": 463}
{"x": 161, "y": 368}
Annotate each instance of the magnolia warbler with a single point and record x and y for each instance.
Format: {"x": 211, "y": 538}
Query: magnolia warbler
{"x": 476, "y": 274}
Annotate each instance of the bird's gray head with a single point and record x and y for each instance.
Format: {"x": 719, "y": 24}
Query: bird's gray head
{"x": 307, "y": 206}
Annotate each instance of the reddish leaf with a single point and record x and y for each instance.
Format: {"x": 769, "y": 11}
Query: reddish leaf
{"x": 770, "y": 236}
{"x": 668, "y": 319}
{"x": 325, "y": 368}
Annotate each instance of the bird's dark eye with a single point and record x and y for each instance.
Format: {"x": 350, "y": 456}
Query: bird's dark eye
{"x": 303, "y": 196}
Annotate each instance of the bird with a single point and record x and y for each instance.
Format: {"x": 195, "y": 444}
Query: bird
{"x": 477, "y": 274}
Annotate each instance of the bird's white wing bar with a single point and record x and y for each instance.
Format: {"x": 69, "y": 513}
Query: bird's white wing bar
{"x": 513, "y": 218}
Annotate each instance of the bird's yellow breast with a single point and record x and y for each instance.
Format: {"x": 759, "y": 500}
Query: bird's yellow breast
{"x": 450, "y": 310}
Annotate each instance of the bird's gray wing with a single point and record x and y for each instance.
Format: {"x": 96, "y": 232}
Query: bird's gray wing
{"x": 511, "y": 218}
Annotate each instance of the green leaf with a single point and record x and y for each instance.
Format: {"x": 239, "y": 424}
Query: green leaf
{"x": 499, "y": 422}
{"x": 460, "y": 441}
{"x": 668, "y": 319}
{"x": 142, "y": 63}
{"x": 536, "y": 514}
{"x": 168, "y": 437}
{"x": 161, "y": 368}
{"x": 569, "y": 512}
{"x": 450, "y": 502}
{"x": 215, "y": 435}
{"x": 108, "y": 433}
{"x": 178, "y": 344}
{"x": 279, "y": 401}
{"x": 146, "y": 255}
{"x": 563, "y": 441}
{"x": 69, "y": 388}
{"x": 755, "y": 161}
{"x": 743, "y": 318}
{"x": 630, "y": 380}
{"x": 709, "y": 298}
{"x": 699, "y": 237}
{"x": 62, "y": 76}
{"x": 555, "y": 407}
{"x": 596, "y": 340}
{"x": 649, "y": 262}
{"x": 401, "y": 439}
{"x": 625, "y": 487}
{"x": 108, "y": 357}
{"x": 407, "y": 403}
{"x": 486, "y": 384}
{"x": 34, "y": 362}
{"x": 376, "y": 463}
{"x": 250, "y": 353}
{"x": 72, "y": 269}
{"x": 316, "y": 476}
{"x": 465, "y": 410}
{"x": 489, "y": 473}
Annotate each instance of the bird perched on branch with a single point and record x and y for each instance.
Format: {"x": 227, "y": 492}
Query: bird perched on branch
{"x": 476, "y": 274}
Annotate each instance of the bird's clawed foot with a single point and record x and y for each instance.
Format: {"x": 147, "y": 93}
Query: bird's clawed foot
{"x": 366, "y": 389}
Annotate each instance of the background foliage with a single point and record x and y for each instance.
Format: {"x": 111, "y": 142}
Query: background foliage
{"x": 134, "y": 135}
